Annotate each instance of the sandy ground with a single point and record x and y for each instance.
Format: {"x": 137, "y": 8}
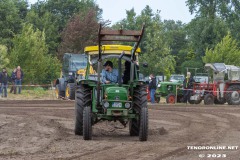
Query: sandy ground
{"x": 43, "y": 129}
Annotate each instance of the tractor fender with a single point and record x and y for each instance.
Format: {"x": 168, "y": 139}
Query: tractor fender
{"x": 62, "y": 84}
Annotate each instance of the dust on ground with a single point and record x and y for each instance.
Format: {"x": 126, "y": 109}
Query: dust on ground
{"x": 43, "y": 129}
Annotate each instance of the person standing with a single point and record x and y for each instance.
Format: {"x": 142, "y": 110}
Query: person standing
{"x": 4, "y": 78}
{"x": 19, "y": 79}
{"x": 152, "y": 87}
{"x": 13, "y": 78}
{"x": 187, "y": 86}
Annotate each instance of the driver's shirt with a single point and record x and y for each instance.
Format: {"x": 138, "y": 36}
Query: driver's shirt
{"x": 110, "y": 76}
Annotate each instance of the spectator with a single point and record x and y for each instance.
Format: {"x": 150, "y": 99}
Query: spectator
{"x": 19, "y": 79}
{"x": 109, "y": 75}
{"x": 13, "y": 78}
{"x": 152, "y": 87}
{"x": 187, "y": 86}
{"x": 4, "y": 78}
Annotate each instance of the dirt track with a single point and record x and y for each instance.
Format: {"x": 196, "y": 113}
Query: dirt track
{"x": 44, "y": 130}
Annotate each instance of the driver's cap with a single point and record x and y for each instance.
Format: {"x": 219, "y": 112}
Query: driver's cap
{"x": 108, "y": 63}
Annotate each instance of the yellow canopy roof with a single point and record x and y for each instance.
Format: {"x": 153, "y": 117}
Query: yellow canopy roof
{"x": 110, "y": 49}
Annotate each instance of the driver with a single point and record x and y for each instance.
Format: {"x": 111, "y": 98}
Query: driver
{"x": 109, "y": 75}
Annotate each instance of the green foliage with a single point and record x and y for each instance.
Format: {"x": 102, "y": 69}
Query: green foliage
{"x": 175, "y": 36}
{"x": 10, "y": 21}
{"x": 30, "y": 52}
{"x": 157, "y": 53}
{"x": 193, "y": 66}
{"x": 204, "y": 33}
{"x": 155, "y": 49}
{"x": 4, "y": 61}
{"x": 52, "y": 16}
{"x": 226, "y": 51}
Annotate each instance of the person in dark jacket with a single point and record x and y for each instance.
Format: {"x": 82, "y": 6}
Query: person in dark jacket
{"x": 187, "y": 86}
{"x": 152, "y": 87}
{"x": 4, "y": 78}
{"x": 13, "y": 78}
{"x": 19, "y": 79}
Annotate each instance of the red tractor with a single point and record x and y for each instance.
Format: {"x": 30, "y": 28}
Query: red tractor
{"x": 225, "y": 86}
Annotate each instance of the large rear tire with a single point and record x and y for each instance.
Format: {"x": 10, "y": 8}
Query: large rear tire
{"x": 233, "y": 96}
{"x": 171, "y": 98}
{"x": 87, "y": 123}
{"x": 83, "y": 99}
{"x": 70, "y": 91}
{"x": 143, "y": 131}
{"x": 139, "y": 102}
{"x": 220, "y": 101}
{"x": 59, "y": 94}
{"x": 208, "y": 99}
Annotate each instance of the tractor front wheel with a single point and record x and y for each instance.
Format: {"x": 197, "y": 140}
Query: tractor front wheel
{"x": 233, "y": 96}
{"x": 87, "y": 123}
{"x": 208, "y": 99}
{"x": 170, "y": 98}
{"x": 70, "y": 91}
{"x": 58, "y": 93}
{"x": 143, "y": 131}
{"x": 139, "y": 103}
{"x": 83, "y": 99}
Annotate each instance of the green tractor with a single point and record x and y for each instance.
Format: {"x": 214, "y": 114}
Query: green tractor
{"x": 171, "y": 89}
{"x": 73, "y": 65}
{"x": 123, "y": 102}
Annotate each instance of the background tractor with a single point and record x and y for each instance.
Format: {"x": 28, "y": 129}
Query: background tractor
{"x": 225, "y": 85}
{"x": 123, "y": 102}
{"x": 171, "y": 89}
{"x": 74, "y": 65}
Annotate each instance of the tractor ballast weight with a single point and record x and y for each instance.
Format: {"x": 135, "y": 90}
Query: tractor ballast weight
{"x": 126, "y": 103}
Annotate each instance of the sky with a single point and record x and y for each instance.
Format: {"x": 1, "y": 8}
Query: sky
{"x": 115, "y": 10}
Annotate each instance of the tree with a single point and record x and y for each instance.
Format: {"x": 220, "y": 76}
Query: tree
{"x": 204, "y": 33}
{"x": 176, "y": 37}
{"x": 10, "y": 21}
{"x": 226, "y": 51}
{"x": 193, "y": 66}
{"x": 52, "y": 16}
{"x": 48, "y": 24}
{"x": 157, "y": 53}
{"x": 80, "y": 32}
{"x": 30, "y": 52}
{"x": 4, "y": 61}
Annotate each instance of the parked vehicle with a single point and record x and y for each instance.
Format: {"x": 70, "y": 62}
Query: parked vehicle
{"x": 176, "y": 78}
{"x": 73, "y": 66}
{"x": 224, "y": 88}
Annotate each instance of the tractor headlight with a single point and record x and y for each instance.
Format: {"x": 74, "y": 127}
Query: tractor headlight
{"x": 70, "y": 73}
{"x": 127, "y": 105}
{"x": 106, "y": 104}
{"x": 159, "y": 85}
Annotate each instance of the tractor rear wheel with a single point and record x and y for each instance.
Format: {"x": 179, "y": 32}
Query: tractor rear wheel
{"x": 139, "y": 102}
{"x": 208, "y": 99}
{"x": 58, "y": 93}
{"x": 87, "y": 123}
{"x": 171, "y": 98}
{"x": 70, "y": 91}
{"x": 83, "y": 99}
{"x": 233, "y": 96}
{"x": 157, "y": 99}
{"x": 143, "y": 131}
{"x": 220, "y": 101}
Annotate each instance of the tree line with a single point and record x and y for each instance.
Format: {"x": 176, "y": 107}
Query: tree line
{"x": 36, "y": 36}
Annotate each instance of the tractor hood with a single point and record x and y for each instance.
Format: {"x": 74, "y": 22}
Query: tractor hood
{"x": 116, "y": 93}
